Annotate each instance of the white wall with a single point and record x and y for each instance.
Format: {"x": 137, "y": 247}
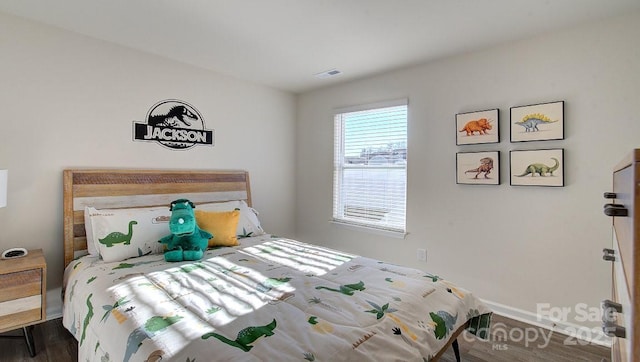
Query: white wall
{"x": 69, "y": 101}
{"x": 515, "y": 246}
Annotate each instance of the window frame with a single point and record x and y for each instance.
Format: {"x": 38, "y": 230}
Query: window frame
{"x": 339, "y": 167}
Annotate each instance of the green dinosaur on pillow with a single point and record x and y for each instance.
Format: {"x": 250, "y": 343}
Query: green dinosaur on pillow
{"x": 186, "y": 241}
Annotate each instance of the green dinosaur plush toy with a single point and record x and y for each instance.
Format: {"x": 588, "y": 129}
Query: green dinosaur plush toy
{"x": 187, "y": 241}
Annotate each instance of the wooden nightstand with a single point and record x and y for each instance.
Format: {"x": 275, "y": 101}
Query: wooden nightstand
{"x": 23, "y": 288}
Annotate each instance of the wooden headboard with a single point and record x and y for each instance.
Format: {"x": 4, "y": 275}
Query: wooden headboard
{"x": 123, "y": 188}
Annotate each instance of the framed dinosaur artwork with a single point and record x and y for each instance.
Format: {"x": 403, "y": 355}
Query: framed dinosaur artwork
{"x": 477, "y": 127}
{"x": 537, "y": 167}
{"x": 537, "y": 122}
{"x": 478, "y": 168}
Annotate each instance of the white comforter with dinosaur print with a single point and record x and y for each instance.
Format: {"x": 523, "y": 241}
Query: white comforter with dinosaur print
{"x": 269, "y": 299}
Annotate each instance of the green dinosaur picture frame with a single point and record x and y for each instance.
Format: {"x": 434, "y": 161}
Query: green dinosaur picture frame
{"x": 537, "y": 167}
{"x": 537, "y": 122}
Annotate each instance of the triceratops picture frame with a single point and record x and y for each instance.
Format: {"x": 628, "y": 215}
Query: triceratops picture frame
{"x": 477, "y": 127}
{"x": 537, "y": 122}
{"x": 537, "y": 167}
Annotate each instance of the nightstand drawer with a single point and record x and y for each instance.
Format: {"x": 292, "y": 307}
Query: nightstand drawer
{"x": 15, "y": 313}
{"x": 20, "y": 285}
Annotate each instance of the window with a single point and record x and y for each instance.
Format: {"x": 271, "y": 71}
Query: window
{"x": 370, "y": 166}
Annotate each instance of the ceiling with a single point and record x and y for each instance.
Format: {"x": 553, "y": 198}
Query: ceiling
{"x": 283, "y": 43}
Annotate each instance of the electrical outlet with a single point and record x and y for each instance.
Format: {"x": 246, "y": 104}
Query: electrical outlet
{"x": 422, "y": 254}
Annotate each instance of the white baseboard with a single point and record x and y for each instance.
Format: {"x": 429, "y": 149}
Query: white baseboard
{"x": 54, "y": 303}
{"x": 576, "y": 334}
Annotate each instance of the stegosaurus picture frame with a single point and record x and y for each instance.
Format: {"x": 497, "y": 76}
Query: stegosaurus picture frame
{"x": 537, "y": 122}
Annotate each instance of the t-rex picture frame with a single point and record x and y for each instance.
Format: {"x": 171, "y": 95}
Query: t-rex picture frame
{"x": 537, "y": 122}
{"x": 477, "y": 127}
{"x": 537, "y": 167}
{"x": 478, "y": 168}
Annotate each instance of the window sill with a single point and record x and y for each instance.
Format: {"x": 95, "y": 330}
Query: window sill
{"x": 371, "y": 230}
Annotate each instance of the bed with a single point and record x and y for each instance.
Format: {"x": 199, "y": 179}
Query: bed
{"x": 268, "y": 298}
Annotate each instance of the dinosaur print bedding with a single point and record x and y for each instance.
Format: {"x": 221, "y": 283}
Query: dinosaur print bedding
{"x": 269, "y": 299}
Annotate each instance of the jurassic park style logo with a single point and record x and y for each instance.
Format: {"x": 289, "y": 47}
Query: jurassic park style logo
{"x": 173, "y": 124}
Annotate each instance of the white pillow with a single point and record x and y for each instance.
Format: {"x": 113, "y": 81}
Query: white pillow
{"x": 91, "y": 247}
{"x": 120, "y": 234}
{"x": 248, "y": 224}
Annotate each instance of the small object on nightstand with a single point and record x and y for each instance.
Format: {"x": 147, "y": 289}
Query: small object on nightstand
{"x": 23, "y": 288}
{"x": 14, "y": 253}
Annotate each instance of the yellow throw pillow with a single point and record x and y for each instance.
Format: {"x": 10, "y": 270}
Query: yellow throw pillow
{"x": 222, "y": 224}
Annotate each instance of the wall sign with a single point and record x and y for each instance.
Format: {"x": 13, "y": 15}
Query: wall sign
{"x": 174, "y": 124}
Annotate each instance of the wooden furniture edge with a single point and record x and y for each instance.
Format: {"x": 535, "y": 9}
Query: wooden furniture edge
{"x": 68, "y": 216}
{"x": 453, "y": 338}
{"x": 630, "y": 158}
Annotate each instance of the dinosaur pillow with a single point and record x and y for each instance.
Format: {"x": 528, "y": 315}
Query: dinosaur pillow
{"x": 120, "y": 234}
{"x": 248, "y": 224}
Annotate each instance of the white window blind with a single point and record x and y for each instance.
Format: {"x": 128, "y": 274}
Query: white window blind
{"x": 370, "y": 167}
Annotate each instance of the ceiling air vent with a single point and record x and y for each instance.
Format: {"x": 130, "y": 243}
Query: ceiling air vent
{"x": 328, "y": 74}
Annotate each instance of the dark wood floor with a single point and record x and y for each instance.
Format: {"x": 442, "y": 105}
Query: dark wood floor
{"x": 55, "y": 344}
{"x": 518, "y": 348}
